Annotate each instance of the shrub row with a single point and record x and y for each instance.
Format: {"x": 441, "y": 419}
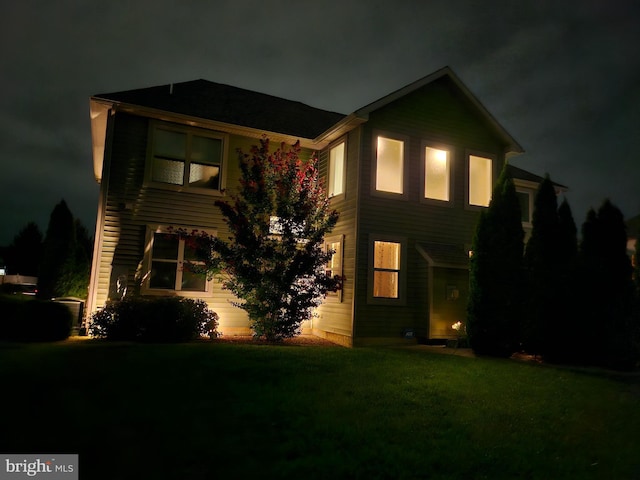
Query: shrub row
{"x": 33, "y": 320}
{"x": 157, "y": 319}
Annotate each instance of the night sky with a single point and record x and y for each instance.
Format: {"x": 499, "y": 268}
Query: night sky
{"x": 563, "y": 77}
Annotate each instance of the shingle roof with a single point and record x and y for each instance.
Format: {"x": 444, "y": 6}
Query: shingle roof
{"x": 521, "y": 174}
{"x": 233, "y": 105}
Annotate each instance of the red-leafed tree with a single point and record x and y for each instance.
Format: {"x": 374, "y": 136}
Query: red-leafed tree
{"x": 274, "y": 260}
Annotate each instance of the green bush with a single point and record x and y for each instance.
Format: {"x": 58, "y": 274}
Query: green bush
{"x": 157, "y": 319}
{"x": 33, "y": 320}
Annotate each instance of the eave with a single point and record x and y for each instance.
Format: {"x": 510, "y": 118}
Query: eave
{"x": 101, "y": 109}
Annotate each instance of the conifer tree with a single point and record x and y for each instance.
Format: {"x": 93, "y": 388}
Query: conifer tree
{"x": 274, "y": 259}
{"x": 542, "y": 262}
{"x": 606, "y": 286}
{"x": 65, "y": 263}
{"x": 496, "y": 274}
{"x": 24, "y": 252}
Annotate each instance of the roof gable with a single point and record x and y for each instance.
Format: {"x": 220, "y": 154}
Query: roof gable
{"x": 232, "y": 105}
{"x": 445, "y": 73}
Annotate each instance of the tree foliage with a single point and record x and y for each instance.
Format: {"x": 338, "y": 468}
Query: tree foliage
{"x": 608, "y": 332}
{"x": 496, "y": 274}
{"x": 23, "y": 254}
{"x": 66, "y": 256}
{"x": 274, "y": 260}
{"x": 550, "y": 264}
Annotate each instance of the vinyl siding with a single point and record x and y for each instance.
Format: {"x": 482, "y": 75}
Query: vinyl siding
{"x": 132, "y": 206}
{"x": 336, "y": 317}
{"x": 436, "y": 113}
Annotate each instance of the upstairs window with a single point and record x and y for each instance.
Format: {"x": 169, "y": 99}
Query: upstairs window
{"x": 480, "y": 180}
{"x": 183, "y": 158}
{"x": 390, "y": 165}
{"x": 336, "y": 170}
{"x": 437, "y": 174}
{"x": 525, "y": 199}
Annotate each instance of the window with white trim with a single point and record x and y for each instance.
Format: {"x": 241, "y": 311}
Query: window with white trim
{"x": 334, "y": 265}
{"x": 185, "y": 158}
{"x": 525, "y": 198}
{"x": 480, "y": 180}
{"x": 437, "y": 174}
{"x": 336, "y": 170}
{"x": 386, "y": 269}
{"x": 172, "y": 264}
{"x": 389, "y": 165}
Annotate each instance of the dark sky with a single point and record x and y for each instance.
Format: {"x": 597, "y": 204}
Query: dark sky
{"x": 563, "y": 77}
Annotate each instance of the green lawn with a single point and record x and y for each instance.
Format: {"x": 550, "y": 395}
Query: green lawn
{"x": 254, "y": 411}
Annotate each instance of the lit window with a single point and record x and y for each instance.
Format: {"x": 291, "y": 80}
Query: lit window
{"x": 186, "y": 159}
{"x": 386, "y": 269}
{"x": 171, "y": 264}
{"x": 480, "y": 174}
{"x": 436, "y": 174}
{"x": 336, "y": 170}
{"x": 334, "y": 265}
{"x": 389, "y": 165}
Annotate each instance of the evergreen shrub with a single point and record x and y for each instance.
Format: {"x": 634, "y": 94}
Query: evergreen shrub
{"x": 157, "y": 319}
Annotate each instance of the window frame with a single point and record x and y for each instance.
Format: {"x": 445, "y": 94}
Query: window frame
{"x": 405, "y": 165}
{"x": 423, "y": 173}
{"x": 189, "y": 132}
{"x": 530, "y": 194}
{"x": 335, "y": 296}
{"x": 146, "y": 289}
{"x": 401, "y": 300}
{"x": 331, "y": 172}
{"x": 494, "y": 162}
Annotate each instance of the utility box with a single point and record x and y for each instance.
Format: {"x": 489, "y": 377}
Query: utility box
{"x": 76, "y": 307}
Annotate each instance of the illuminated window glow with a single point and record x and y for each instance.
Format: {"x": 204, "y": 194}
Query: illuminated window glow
{"x": 336, "y": 170}
{"x": 437, "y": 170}
{"x": 389, "y": 165}
{"x": 334, "y": 265}
{"x": 386, "y": 269}
{"x": 480, "y": 185}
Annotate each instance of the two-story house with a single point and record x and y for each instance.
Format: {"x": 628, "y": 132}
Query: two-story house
{"x": 409, "y": 174}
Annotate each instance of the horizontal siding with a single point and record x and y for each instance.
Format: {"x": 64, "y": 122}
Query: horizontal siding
{"x": 132, "y": 206}
{"x": 438, "y": 114}
{"x": 337, "y": 317}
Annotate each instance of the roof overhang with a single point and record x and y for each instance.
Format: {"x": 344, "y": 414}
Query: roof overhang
{"x": 101, "y": 109}
{"x": 444, "y": 255}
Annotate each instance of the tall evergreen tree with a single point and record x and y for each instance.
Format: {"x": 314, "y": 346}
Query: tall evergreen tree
{"x": 59, "y": 245}
{"x": 66, "y": 256}
{"x": 562, "y": 340}
{"x": 606, "y": 286}
{"x": 24, "y": 252}
{"x": 541, "y": 260}
{"x": 496, "y": 274}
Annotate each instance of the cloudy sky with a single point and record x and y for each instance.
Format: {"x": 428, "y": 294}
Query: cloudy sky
{"x": 563, "y": 77}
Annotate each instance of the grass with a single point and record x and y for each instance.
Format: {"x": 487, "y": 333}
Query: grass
{"x": 254, "y": 411}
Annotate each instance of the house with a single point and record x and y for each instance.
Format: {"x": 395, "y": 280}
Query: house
{"x": 527, "y": 184}
{"x": 409, "y": 174}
